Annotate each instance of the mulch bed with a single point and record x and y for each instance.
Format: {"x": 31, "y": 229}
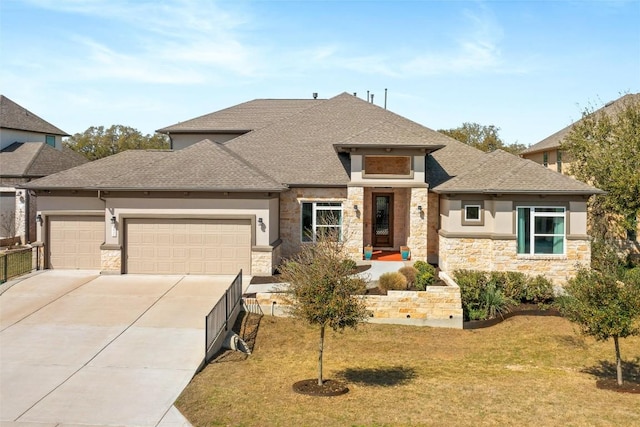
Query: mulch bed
{"x": 612, "y": 385}
{"x": 275, "y": 278}
{"x": 521, "y": 310}
{"x": 328, "y": 388}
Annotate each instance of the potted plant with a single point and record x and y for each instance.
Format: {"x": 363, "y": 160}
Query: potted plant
{"x": 368, "y": 252}
{"x": 405, "y": 252}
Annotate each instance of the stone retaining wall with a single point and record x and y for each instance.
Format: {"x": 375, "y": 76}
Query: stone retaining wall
{"x": 438, "y": 306}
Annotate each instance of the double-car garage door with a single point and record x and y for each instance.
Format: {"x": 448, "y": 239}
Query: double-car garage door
{"x": 187, "y": 246}
{"x": 153, "y": 245}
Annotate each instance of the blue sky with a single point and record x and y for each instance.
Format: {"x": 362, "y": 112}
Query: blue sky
{"x": 528, "y": 67}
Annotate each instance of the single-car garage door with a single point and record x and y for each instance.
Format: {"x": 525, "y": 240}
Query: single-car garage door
{"x": 74, "y": 242}
{"x": 188, "y": 246}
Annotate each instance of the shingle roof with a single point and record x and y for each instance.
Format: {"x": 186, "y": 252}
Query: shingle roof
{"x": 553, "y": 141}
{"x": 13, "y": 116}
{"x": 36, "y": 159}
{"x": 300, "y": 150}
{"x": 244, "y": 117}
{"x": 502, "y": 172}
{"x": 205, "y": 166}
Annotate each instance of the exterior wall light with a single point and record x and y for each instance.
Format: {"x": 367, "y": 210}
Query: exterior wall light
{"x": 420, "y": 208}
{"x": 39, "y": 219}
{"x": 355, "y": 208}
{"x": 113, "y": 220}
{"x": 260, "y": 221}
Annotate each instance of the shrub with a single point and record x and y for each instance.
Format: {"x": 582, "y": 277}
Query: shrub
{"x": 349, "y": 264}
{"x": 392, "y": 281}
{"x": 426, "y": 275}
{"x": 410, "y": 274}
{"x": 514, "y": 285}
{"x": 494, "y": 301}
{"x": 472, "y": 284}
{"x": 539, "y": 290}
{"x": 632, "y": 276}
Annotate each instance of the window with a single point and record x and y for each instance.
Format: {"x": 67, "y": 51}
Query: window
{"x": 50, "y": 140}
{"x": 541, "y": 230}
{"x": 472, "y": 213}
{"x": 559, "y": 161}
{"x": 321, "y": 218}
{"x": 545, "y": 159}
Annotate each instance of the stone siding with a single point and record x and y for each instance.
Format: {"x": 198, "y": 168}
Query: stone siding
{"x": 111, "y": 261}
{"x": 433, "y": 223}
{"x": 353, "y": 221}
{"x": 501, "y": 255}
{"x": 290, "y": 215}
{"x": 418, "y": 223}
{"x": 264, "y": 262}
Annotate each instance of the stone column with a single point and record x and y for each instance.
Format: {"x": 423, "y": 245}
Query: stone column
{"x": 352, "y": 222}
{"x": 418, "y": 223}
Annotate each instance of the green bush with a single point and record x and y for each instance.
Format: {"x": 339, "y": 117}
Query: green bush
{"x": 392, "y": 281}
{"x": 539, "y": 290}
{"x": 494, "y": 302}
{"x": 410, "y": 274}
{"x": 472, "y": 284}
{"x": 349, "y": 264}
{"x": 632, "y": 276}
{"x": 426, "y": 275}
{"x": 513, "y": 284}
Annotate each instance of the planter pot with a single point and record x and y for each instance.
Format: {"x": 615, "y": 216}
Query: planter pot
{"x": 368, "y": 252}
{"x": 405, "y": 252}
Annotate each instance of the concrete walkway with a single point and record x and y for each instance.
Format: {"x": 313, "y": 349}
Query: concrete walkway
{"x": 77, "y": 348}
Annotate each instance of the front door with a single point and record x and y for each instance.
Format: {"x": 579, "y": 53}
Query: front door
{"x": 382, "y": 220}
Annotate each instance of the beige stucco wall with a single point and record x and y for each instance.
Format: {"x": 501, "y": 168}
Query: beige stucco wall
{"x": 9, "y": 136}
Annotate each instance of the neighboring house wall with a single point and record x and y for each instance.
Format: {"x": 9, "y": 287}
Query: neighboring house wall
{"x": 180, "y": 141}
{"x": 556, "y": 160}
{"x": 492, "y": 243}
{"x": 9, "y": 136}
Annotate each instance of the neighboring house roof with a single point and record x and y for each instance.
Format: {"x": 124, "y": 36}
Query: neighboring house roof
{"x": 205, "y": 166}
{"x": 36, "y": 159}
{"x": 500, "y": 172}
{"x": 244, "y": 117}
{"x": 13, "y": 116}
{"x": 552, "y": 142}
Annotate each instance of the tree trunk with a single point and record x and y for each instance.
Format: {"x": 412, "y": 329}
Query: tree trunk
{"x": 320, "y": 350}
{"x": 618, "y": 360}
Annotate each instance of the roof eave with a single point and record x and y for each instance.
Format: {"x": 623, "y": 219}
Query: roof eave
{"x": 348, "y": 148}
{"x": 207, "y": 131}
{"x": 527, "y": 192}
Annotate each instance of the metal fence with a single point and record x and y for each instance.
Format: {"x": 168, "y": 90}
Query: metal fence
{"x": 217, "y": 320}
{"x": 15, "y": 263}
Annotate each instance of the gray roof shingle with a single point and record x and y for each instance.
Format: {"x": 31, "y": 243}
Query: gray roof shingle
{"x": 36, "y": 159}
{"x": 243, "y": 117}
{"x": 13, "y": 116}
{"x": 501, "y": 172}
{"x": 205, "y": 166}
{"x": 553, "y": 141}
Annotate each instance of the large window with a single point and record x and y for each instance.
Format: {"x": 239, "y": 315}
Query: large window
{"x": 321, "y": 219}
{"x": 541, "y": 230}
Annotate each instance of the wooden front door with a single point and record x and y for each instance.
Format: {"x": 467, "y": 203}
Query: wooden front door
{"x": 382, "y": 221}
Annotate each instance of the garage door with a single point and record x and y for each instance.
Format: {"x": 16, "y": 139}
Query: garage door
{"x": 74, "y": 242}
{"x": 188, "y": 246}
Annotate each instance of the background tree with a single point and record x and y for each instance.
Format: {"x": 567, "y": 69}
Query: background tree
{"x": 605, "y": 304}
{"x": 604, "y": 151}
{"x": 482, "y": 137}
{"x": 98, "y": 142}
{"x": 322, "y": 289}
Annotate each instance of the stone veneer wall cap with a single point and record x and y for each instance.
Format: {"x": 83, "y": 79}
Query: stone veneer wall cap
{"x": 110, "y": 247}
{"x": 472, "y": 235}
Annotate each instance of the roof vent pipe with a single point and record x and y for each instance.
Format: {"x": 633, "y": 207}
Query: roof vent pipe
{"x": 385, "y": 98}
{"x": 315, "y": 95}
{"x": 368, "y": 96}
{"x": 372, "y": 98}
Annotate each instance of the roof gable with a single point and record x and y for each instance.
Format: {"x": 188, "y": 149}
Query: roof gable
{"x": 13, "y": 116}
{"x": 501, "y": 172}
{"x": 205, "y": 166}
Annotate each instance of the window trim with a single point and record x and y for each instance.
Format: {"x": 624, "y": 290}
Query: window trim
{"x": 314, "y": 225}
{"x": 47, "y": 138}
{"x": 532, "y": 234}
{"x": 472, "y": 203}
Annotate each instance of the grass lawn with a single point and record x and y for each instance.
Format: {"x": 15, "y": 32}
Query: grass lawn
{"x": 525, "y": 371}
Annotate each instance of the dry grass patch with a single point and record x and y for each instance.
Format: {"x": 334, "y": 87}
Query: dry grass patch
{"x": 525, "y": 371}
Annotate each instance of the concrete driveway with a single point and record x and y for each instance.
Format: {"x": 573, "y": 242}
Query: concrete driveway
{"x": 77, "y": 348}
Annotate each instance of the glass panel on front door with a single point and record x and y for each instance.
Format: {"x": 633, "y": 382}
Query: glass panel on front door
{"x": 382, "y": 221}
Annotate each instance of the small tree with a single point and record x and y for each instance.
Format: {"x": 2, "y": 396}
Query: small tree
{"x": 605, "y": 304}
{"x": 322, "y": 288}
